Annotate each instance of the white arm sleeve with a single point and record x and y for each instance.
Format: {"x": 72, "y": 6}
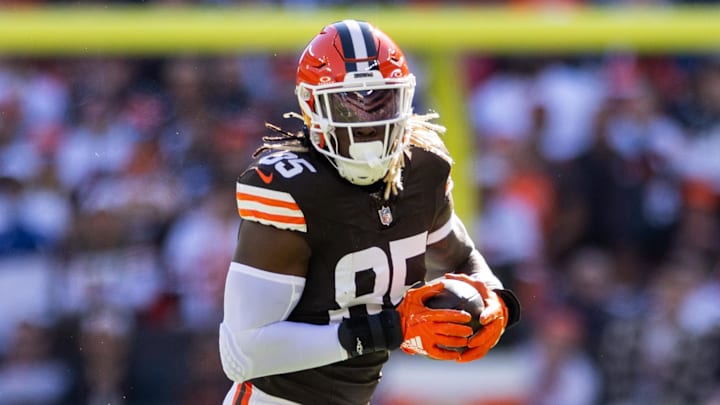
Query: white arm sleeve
{"x": 255, "y": 339}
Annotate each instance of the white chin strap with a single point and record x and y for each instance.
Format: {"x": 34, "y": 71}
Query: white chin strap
{"x": 367, "y": 167}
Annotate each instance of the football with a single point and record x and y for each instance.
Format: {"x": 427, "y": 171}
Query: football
{"x": 459, "y": 295}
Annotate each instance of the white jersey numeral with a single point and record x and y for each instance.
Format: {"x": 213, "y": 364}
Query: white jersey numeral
{"x": 375, "y": 260}
{"x": 287, "y": 164}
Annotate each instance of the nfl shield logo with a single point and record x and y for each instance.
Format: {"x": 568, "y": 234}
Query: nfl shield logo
{"x": 385, "y": 216}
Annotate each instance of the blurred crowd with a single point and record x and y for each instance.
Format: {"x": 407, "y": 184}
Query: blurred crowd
{"x": 598, "y": 181}
{"x": 117, "y": 221}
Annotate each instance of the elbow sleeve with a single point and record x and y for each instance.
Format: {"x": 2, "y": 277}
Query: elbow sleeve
{"x": 234, "y": 363}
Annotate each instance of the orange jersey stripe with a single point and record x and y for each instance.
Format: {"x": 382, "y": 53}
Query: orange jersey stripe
{"x": 271, "y": 217}
{"x": 267, "y": 201}
{"x": 248, "y": 393}
{"x": 243, "y": 392}
{"x": 238, "y": 391}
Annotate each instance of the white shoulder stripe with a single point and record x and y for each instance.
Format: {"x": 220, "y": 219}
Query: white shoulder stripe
{"x": 268, "y": 209}
{"x": 265, "y": 193}
{"x": 440, "y": 233}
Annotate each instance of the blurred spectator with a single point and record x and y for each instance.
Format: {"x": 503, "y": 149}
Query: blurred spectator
{"x": 204, "y": 382}
{"x": 709, "y": 346}
{"x": 570, "y": 93}
{"x": 99, "y": 144}
{"x": 227, "y": 94}
{"x": 105, "y": 268}
{"x": 145, "y": 195}
{"x": 34, "y": 216}
{"x": 197, "y": 261}
{"x": 517, "y": 206}
{"x": 641, "y": 148}
{"x": 16, "y": 235}
{"x": 590, "y": 286}
{"x": 563, "y": 373}
{"x": 20, "y": 159}
{"x": 30, "y": 373}
{"x": 698, "y": 106}
{"x": 700, "y": 167}
{"x": 651, "y": 358}
{"x": 26, "y": 282}
{"x": 700, "y": 312}
{"x": 105, "y": 336}
{"x": 509, "y": 229}
{"x": 183, "y": 143}
{"x": 500, "y": 106}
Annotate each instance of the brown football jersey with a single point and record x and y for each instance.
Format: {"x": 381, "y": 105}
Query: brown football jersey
{"x": 366, "y": 252}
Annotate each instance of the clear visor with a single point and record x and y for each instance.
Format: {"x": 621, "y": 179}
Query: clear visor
{"x": 363, "y": 106}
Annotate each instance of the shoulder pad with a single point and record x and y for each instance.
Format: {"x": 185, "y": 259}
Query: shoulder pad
{"x": 432, "y": 164}
{"x": 267, "y": 191}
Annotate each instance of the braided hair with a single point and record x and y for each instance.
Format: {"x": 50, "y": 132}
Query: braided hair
{"x": 420, "y": 132}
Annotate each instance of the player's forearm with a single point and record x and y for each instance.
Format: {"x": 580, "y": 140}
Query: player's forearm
{"x": 256, "y": 340}
{"x": 284, "y": 347}
{"x": 477, "y": 267}
{"x": 451, "y": 249}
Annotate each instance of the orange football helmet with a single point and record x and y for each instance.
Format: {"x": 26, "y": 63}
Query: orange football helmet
{"x": 355, "y": 92}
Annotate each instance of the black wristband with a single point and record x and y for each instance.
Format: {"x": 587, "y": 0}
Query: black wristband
{"x": 372, "y": 333}
{"x": 513, "y": 305}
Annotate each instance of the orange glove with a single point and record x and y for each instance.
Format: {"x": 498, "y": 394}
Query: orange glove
{"x": 494, "y": 319}
{"x": 424, "y": 328}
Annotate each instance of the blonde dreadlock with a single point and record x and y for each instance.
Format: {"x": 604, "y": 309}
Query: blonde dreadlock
{"x": 423, "y": 134}
{"x": 287, "y": 141}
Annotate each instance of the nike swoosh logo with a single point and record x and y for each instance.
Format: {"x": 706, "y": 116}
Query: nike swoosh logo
{"x": 266, "y": 178}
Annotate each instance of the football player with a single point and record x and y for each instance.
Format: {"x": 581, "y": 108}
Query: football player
{"x": 338, "y": 223}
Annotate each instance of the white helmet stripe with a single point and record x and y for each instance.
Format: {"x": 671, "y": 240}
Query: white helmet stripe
{"x": 358, "y": 44}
